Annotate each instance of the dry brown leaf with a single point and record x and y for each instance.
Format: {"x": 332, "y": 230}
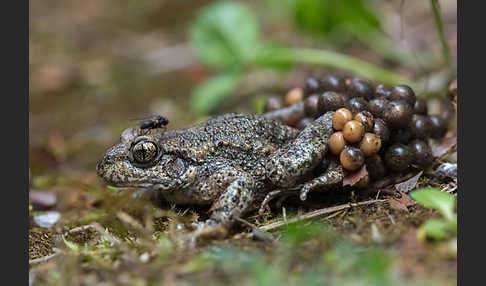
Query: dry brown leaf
{"x": 409, "y": 184}
{"x": 402, "y": 203}
{"x": 355, "y": 177}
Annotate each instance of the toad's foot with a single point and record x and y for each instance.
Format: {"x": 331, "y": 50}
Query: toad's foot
{"x": 206, "y": 232}
{"x": 237, "y": 194}
{"x": 331, "y": 177}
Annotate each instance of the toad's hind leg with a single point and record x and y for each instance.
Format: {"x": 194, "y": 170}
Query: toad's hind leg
{"x": 331, "y": 177}
{"x": 300, "y": 156}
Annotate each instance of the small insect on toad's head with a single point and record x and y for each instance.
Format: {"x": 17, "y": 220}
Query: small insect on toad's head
{"x": 139, "y": 161}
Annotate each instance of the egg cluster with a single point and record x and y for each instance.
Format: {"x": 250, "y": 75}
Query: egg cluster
{"x": 385, "y": 128}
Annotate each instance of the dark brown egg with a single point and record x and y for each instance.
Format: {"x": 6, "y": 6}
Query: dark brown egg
{"x": 310, "y": 106}
{"x": 375, "y": 166}
{"x": 438, "y": 127}
{"x": 377, "y": 106}
{"x": 370, "y": 144}
{"x": 421, "y": 126}
{"x": 382, "y": 90}
{"x": 340, "y": 118}
{"x": 361, "y": 88}
{"x": 273, "y": 103}
{"x": 381, "y": 130}
{"x": 311, "y": 86}
{"x": 420, "y": 106}
{"x": 333, "y": 83}
{"x": 401, "y": 135}
{"x": 344, "y": 97}
{"x": 329, "y": 101}
{"x": 421, "y": 152}
{"x": 353, "y": 131}
{"x": 398, "y": 114}
{"x": 351, "y": 158}
{"x": 337, "y": 143}
{"x": 294, "y": 95}
{"x": 366, "y": 118}
{"x": 403, "y": 92}
{"x": 304, "y": 122}
{"x": 398, "y": 157}
{"x": 357, "y": 104}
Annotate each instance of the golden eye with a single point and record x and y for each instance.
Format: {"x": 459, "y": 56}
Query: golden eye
{"x": 144, "y": 151}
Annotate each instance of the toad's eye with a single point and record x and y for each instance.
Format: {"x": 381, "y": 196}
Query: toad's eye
{"x": 144, "y": 151}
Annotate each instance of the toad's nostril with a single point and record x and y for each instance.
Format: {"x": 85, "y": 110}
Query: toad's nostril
{"x": 107, "y": 160}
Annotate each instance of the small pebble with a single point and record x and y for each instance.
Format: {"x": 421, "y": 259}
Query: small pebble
{"x": 47, "y": 219}
{"x": 446, "y": 170}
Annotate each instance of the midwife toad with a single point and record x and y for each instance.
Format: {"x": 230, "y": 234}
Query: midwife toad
{"x": 230, "y": 161}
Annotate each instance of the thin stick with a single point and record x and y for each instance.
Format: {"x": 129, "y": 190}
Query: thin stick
{"x": 317, "y": 213}
{"x": 43, "y": 258}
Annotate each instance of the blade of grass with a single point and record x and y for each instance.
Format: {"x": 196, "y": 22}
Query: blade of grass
{"x": 440, "y": 31}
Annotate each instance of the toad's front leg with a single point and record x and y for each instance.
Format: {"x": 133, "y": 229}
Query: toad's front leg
{"x": 237, "y": 195}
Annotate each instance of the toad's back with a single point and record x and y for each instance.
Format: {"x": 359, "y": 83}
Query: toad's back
{"x": 237, "y": 137}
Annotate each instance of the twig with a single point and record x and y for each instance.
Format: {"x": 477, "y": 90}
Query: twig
{"x": 333, "y": 215}
{"x": 246, "y": 222}
{"x": 317, "y": 213}
{"x": 43, "y": 258}
{"x": 81, "y": 228}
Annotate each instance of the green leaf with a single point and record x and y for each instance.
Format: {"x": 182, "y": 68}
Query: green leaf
{"x": 323, "y": 16}
{"x": 226, "y": 34}
{"x": 435, "y": 199}
{"x": 435, "y": 229}
{"x": 71, "y": 245}
{"x": 212, "y": 92}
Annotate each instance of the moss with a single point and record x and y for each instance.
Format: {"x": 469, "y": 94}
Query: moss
{"x": 41, "y": 243}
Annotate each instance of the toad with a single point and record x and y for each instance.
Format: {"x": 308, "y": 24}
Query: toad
{"x": 229, "y": 162}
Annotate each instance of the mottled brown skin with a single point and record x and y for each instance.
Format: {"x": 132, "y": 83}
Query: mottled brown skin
{"x": 230, "y": 162}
